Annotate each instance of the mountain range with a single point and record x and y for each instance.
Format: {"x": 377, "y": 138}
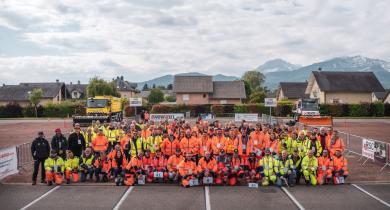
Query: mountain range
{"x": 355, "y": 63}
{"x": 168, "y": 79}
{"x": 278, "y": 70}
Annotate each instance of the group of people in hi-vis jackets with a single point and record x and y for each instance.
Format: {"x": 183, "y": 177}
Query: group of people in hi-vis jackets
{"x": 190, "y": 154}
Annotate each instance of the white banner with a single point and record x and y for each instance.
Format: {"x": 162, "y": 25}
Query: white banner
{"x": 163, "y": 117}
{"x": 8, "y": 162}
{"x": 270, "y": 102}
{"x": 368, "y": 148}
{"x": 247, "y": 117}
{"x": 135, "y": 102}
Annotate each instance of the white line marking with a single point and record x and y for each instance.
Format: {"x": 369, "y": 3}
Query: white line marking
{"x": 128, "y": 191}
{"x": 40, "y": 198}
{"x": 294, "y": 200}
{"x": 373, "y": 196}
{"x": 207, "y": 197}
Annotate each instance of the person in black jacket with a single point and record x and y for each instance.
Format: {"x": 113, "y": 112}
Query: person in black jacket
{"x": 40, "y": 150}
{"x": 76, "y": 141}
{"x": 59, "y": 143}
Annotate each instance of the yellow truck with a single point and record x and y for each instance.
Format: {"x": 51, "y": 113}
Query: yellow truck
{"x": 102, "y": 108}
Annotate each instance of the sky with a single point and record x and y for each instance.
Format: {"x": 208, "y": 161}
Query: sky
{"x": 71, "y": 40}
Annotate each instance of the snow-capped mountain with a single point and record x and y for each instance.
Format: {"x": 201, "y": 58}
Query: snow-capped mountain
{"x": 276, "y": 65}
{"x": 380, "y": 68}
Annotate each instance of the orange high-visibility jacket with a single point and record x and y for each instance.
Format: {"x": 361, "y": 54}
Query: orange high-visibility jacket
{"x": 218, "y": 143}
{"x": 159, "y": 163}
{"x": 274, "y": 146}
{"x": 104, "y": 164}
{"x": 204, "y": 145}
{"x": 323, "y": 164}
{"x": 134, "y": 162}
{"x": 229, "y": 145}
{"x": 211, "y": 165}
{"x": 187, "y": 167}
{"x": 236, "y": 163}
{"x": 256, "y": 138}
{"x": 100, "y": 143}
{"x": 114, "y": 163}
{"x": 112, "y": 154}
{"x": 124, "y": 141}
{"x": 173, "y": 162}
{"x": 147, "y": 162}
{"x": 146, "y": 133}
{"x": 239, "y": 144}
{"x": 189, "y": 145}
{"x": 338, "y": 145}
{"x": 266, "y": 139}
{"x": 339, "y": 163}
{"x": 169, "y": 147}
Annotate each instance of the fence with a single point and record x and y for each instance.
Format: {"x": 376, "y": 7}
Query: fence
{"x": 354, "y": 145}
{"x": 24, "y": 155}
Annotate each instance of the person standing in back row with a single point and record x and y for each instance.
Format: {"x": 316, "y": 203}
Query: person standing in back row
{"x": 40, "y": 150}
{"x": 59, "y": 144}
{"x": 76, "y": 141}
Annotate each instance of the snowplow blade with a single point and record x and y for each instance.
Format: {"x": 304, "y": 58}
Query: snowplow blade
{"x": 85, "y": 121}
{"x": 325, "y": 121}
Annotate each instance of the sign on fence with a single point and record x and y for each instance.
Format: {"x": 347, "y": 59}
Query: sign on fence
{"x": 380, "y": 151}
{"x": 368, "y": 148}
{"x": 247, "y": 117}
{"x": 270, "y": 102}
{"x": 8, "y": 162}
{"x": 135, "y": 102}
{"x": 163, "y": 117}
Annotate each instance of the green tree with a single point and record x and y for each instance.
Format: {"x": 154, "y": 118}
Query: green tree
{"x": 154, "y": 86}
{"x": 248, "y": 90}
{"x": 170, "y": 99}
{"x": 169, "y": 87}
{"x": 35, "y": 97}
{"x": 100, "y": 87}
{"x": 257, "y": 96}
{"x": 255, "y": 79}
{"x": 156, "y": 96}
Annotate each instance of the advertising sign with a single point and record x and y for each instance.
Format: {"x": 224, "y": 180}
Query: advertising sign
{"x": 8, "y": 162}
{"x": 164, "y": 117}
{"x": 368, "y": 148}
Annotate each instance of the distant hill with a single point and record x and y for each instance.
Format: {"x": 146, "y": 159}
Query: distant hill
{"x": 356, "y": 63}
{"x": 277, "y": 65}
{"x": 168, "y": 79}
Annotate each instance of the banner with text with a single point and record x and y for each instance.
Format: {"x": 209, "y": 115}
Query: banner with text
{"x": 247, "y": 117}
{"x": 368, "y": 148}
{"x": 8, "y": 162}
{"x": 164, "y": 117}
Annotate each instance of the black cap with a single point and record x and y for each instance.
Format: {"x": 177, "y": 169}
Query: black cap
{"x": 40, "y": 133}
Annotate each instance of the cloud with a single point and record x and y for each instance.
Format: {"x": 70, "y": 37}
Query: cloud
{"x": 43, "y": 40}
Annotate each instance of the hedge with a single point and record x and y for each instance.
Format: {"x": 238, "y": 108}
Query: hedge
{"x": 130, "y": 111}
{"x": 64, "y": 109}
{"x": 69, "y": 108}
{"x": 195, "y": 110}
{"x": 284, "y": 109}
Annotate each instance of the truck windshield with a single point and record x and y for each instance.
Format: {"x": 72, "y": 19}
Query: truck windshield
{"x": 309, "y": 106}
{"x": 97, "y": 103}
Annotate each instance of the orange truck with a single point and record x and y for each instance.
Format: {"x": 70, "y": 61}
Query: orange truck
{"x": 307, "y": 112}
